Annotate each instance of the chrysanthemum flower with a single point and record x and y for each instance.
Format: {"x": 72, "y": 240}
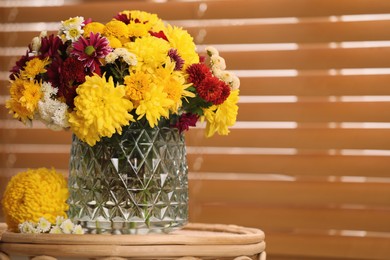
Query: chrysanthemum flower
{"x": 174, "y": 84}
{"x": 71, "y": 29}
{"x": 137, "y": 29}
{"x": 52, "y": 112}
{"x": 24, "y": 97}
{"x": 197, "y": 73}
{"x": 34, "y": 67}
{"x": 136, "y": 84}
{"x": 220, "y": 118}
{"x": 33, "y": 194}
{"x": 117, "y": 29}
{"x": 154, "y": 105}
{"x": 179, "y": 62}
{"x": 51, "y": 47}
{"x": 185, "y": 121}
{"x": 151, "y": 52}
{"x": 101, "y": 109}
{"x": 114, "y": 42}
{"x": 93, "y": 27}
{"x": 90, "y": 50}
{"x": 183, "y": 42}
{"x": 213, "y": 90}
{"x": 152, "y": 21}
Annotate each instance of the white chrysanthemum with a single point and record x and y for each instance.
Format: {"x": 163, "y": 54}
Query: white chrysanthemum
{"x": 55, "y": 230}
{"x": 67, "y": 226}
{"x": 217, "y": 62}
{"x": 78, "y": 230}
{"x": 52, "y": 112}
{"x": 73, "y": 34}
{"x": 36, "y": 44}
{"x": 211, "y": 51}
{"x": 72, "y": 28}
{"x": 43, "y": 225}
{"x": 111, "y": 57}
{"x": 27, "y": 227}
{"x": 71, "y": 23}
{"x": 59, "y": 220}
{"x": 129, "y": 57}
{"x": 235, "y": 82}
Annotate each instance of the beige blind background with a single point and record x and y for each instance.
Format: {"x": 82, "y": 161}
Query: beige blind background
{"x": 309, "y": 159}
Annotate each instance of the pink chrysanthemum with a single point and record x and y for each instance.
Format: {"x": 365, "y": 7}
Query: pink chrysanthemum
{"x": 185, "y": 121}
{"x": 90, "y": 50}
{"x": 213, "y": 90}
{"x": 197, "y": 73}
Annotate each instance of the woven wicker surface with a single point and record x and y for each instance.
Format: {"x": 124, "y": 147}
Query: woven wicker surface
{"x": 195, "y": 240}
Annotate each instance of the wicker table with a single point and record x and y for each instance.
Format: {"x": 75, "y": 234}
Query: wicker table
{"x": 194, "y": 241}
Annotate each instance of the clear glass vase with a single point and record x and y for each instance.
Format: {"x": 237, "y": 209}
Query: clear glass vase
{"x": 134, "y": 183}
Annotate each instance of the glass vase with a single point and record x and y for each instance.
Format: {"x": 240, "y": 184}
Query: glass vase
{"x": 134, "y": 183}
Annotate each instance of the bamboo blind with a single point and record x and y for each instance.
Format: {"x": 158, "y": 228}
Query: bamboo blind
{"x": 309, "y": 159}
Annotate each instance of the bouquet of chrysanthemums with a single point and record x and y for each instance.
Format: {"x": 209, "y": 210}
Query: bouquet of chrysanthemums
{"x": 96, "y": 78}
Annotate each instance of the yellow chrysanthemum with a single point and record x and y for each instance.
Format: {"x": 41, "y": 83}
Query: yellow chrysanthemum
{"x": 183, "y": 42}
{"x": 94, "y": 27}
{"x": 101, "y": 109}
{"x": 33, "y": 194}
{"x": 25, "y": 95}
{"x": 173, "y": 83}
{"x": 151, "y": 52}
{"x": 136, "y": 84}
{"x": 117, "y": 29}
{"x": 114, "y": 42}
{"x": 137, "y": 29}
{"x": 34, "y": 67}
{"x": 154, "y": 105}
{"x": 151, "y": 21}
{"x": 220, "y": 117}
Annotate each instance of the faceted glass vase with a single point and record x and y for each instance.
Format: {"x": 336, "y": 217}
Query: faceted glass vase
{"x": 134, "y": 183}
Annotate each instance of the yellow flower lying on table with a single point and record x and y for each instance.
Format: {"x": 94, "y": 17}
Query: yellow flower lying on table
{"x": 35, "y": 194}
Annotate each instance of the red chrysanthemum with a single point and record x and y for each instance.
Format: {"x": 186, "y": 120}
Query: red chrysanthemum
{"x": 159, "y": 34}
{"x": 197, "y": 73}
{"x": 72, "y": 74}
{"x": 52, "y": 46}
{"x": 90, "y": 50}
{"x": 172, "y": 53}
{"x": 185, "y": 121}
{"x": 213, "y": 90}
{"x": 123, "y": 18}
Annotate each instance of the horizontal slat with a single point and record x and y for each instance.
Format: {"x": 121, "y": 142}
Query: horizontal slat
{"x": 214, "y": 9}
{"x": 309, "y": 58}
{"x": 300, "y": 32}
{"x": 29, "y": 135}
{"x": 289, "y": 193}
{"x": 269, "y": 138}
{"x": 327, "y": 246}
{"x": 306, "y": 112}
{"x": 293, "y": 218}
{"x": 316, "y": 112}
{"x": 302, "y": 59}
{"x": 294, "y": 165}
{"x": 317, "y": 85}
{"x": 233, "y": 33}
{"x": 296, "y": 138}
